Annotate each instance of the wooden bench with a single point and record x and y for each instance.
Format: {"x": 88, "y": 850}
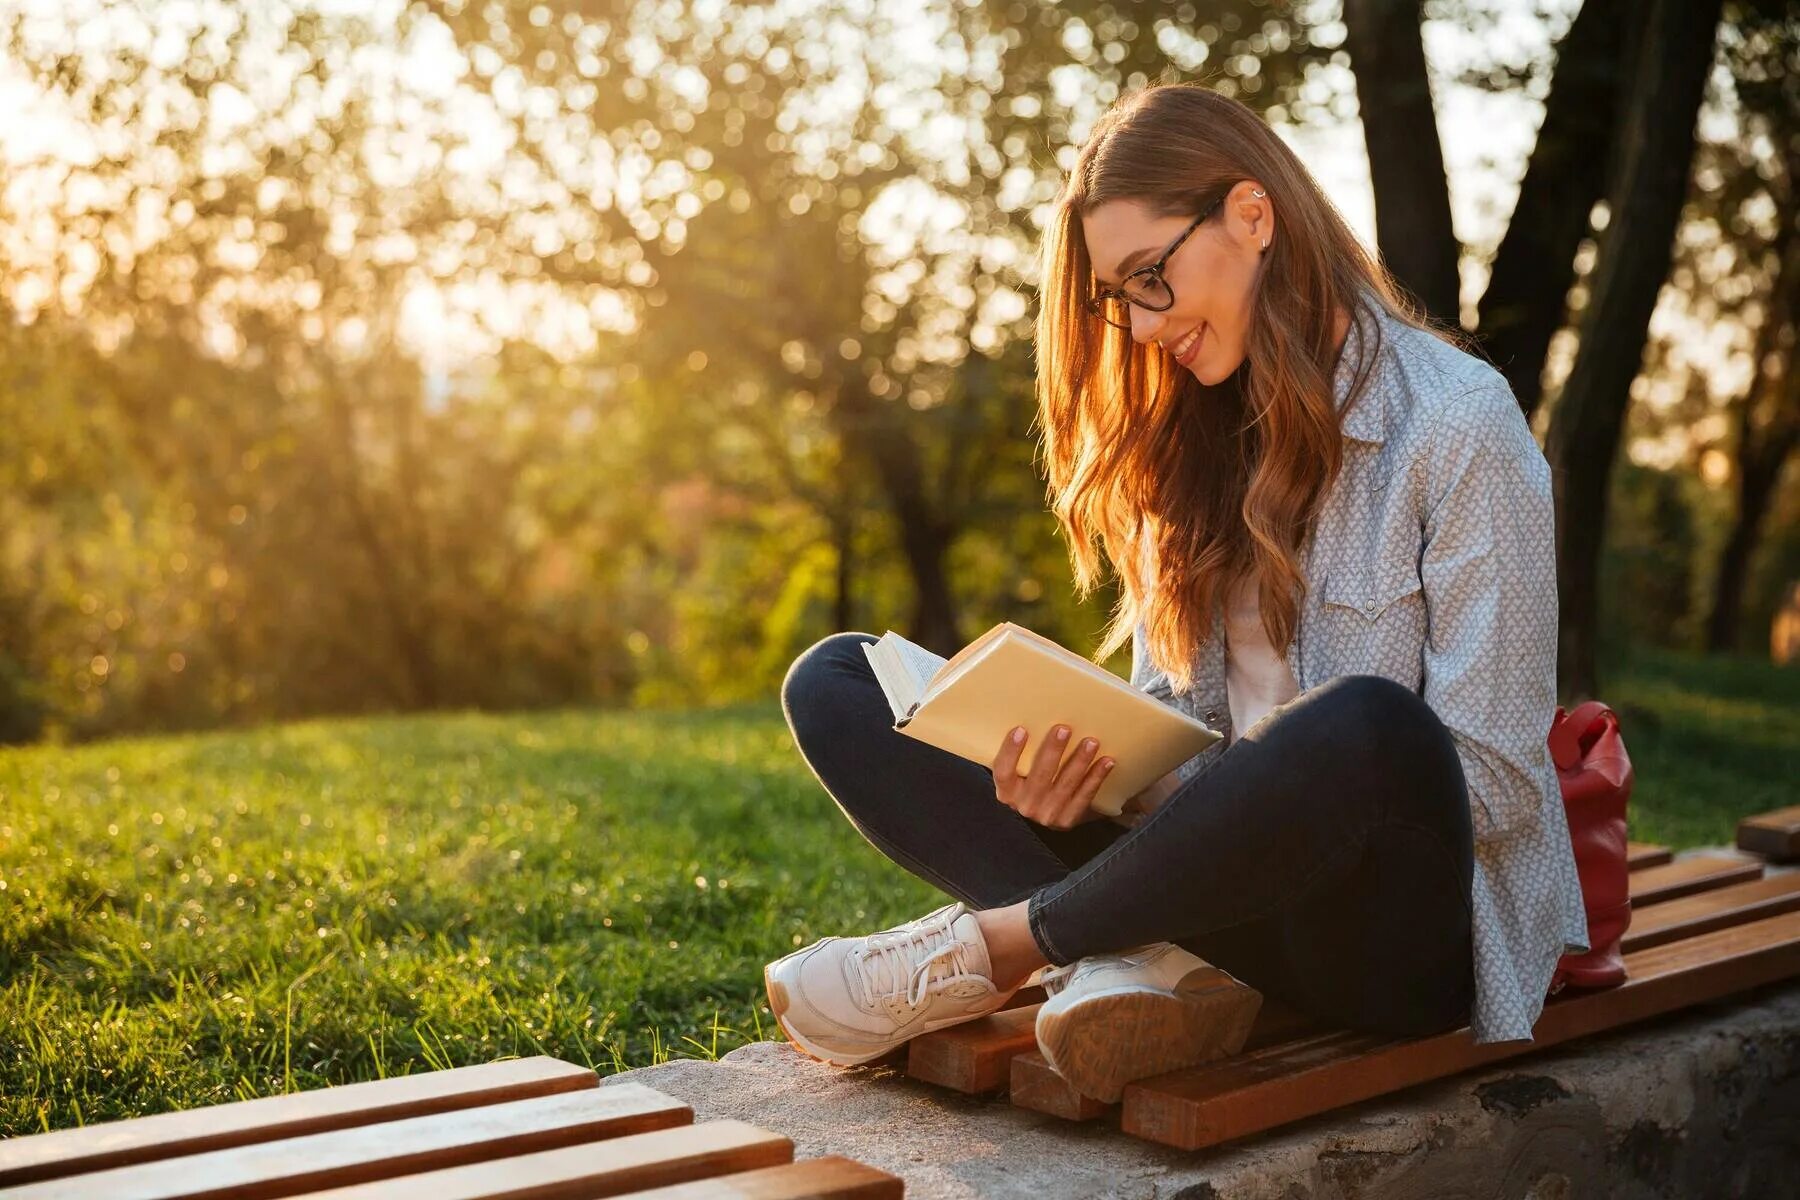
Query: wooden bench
{"x": 1703, "y": 927}
{"x": 1774, "y": 835}
{"x": 534, "y": 1127}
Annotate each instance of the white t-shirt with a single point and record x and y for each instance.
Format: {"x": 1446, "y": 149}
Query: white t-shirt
{"x": 1256, "y": 678}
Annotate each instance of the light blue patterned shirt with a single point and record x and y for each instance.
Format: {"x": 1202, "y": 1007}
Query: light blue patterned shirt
{"x": 1433, "y": 563}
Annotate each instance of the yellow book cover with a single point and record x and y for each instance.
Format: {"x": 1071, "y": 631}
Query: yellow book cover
{"x": 1011, "y": 676}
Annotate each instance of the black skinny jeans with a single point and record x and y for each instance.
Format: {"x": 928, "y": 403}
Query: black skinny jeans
{"x": 1325, "y": 859}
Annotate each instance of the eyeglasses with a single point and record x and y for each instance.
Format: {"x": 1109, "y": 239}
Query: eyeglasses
{"x": 1145, "y": 286}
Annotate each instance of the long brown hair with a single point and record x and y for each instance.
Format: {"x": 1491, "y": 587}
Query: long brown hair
{"x": 1188, "y": 486}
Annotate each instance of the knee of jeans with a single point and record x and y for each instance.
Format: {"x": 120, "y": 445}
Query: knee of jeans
{"x": 806, "y": 674}
{"x": 1396, "y": 722}
{"x": 1374, "y": 696}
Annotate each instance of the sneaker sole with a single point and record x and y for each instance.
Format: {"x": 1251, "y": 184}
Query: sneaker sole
{"x": 1111, "y": 1038}
{"x": 779, "y": 1004}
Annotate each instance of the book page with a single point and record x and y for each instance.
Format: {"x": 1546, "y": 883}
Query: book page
{"x": 881, "y": 662}
{"x": 920, "y": 663}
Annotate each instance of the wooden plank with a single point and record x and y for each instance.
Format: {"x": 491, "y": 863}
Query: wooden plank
{"x": 975, "y": 1055}
{"x": 1250, "y": 1093}
{"x": 1685, "y": 876}
{"x": 1774, "y": 835}
{"x": 193, "y": 1131}
{"x": 606, "y": 1168}
{"x": 1704, "y": 912}
{"x": 346, "y": 1156}
{"x": 972, "y": 1057}
{"x": 831, "y": 1177}
{"x": 1033, "y": 1084}
{"x": 1646, "y": 854}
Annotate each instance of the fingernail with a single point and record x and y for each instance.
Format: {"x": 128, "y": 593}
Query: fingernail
{"x": 1019, "y": 734}
{"x": 1062, "y": 735}
{"x": 1087, "y": 743}
{"x": 1107, "y": 765}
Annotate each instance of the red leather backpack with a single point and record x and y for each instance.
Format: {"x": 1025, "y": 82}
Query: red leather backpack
{"x": 1595, "y": 774}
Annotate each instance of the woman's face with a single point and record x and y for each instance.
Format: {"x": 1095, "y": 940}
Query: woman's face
{"x": 1213, "y": 274}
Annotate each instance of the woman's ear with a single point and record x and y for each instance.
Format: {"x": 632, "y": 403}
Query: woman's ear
{"x": 1257, "y": 214}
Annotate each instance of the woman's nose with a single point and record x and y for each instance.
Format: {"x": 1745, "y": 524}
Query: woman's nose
{"x": 1145, "y": 324}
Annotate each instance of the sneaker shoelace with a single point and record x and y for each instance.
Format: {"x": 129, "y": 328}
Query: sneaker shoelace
{"x": 886, "y": 965}
{"x": 1055, "y": 979}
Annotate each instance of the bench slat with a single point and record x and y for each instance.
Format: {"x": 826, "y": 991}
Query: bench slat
{"x": 831, "y": 1177}
{"x": 1685, "y": 876}
{"x": 1036, "y": 1086}
{"x": 974, "y": 1056}
{"x": 1033, "y": 1084}
{"x": 1704, "y": 912}
{"x": 608, "y": 1168}
{"x": 1204, "y": 1106}
{"x": 345, "y": 1156}
{"x": 192, "y": 1131}
{"x": 1774, "y": 835}
{"x": 1646, "y": 854}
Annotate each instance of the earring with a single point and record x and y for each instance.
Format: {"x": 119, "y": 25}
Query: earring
{"x": 1258, "y": 192}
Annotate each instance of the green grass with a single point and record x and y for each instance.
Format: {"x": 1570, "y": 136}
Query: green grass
{"x": 1710, "y": 739}
{"x": 192, "y": 920}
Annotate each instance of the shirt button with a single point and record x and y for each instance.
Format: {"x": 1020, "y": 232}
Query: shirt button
{"x": 1369, "y": 606}
{"x": 1212, "y": 714}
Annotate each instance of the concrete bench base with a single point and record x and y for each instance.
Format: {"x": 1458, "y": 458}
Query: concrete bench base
{"x": 1701, "y": 1102}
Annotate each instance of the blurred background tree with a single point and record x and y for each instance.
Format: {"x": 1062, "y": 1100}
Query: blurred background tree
{"x": 445, "y": 354}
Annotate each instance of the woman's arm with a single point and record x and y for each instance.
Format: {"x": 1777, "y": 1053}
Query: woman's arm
{"x": 1489, "y": 570}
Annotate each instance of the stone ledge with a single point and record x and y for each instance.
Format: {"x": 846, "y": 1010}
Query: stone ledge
{"x": 1701, "y": 1102}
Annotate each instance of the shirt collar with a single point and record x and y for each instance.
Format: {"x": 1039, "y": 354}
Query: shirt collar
{"x": 1366, "y": 420}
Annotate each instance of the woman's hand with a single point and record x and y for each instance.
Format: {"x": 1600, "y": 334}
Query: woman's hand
{"x": 1052, "y": 798}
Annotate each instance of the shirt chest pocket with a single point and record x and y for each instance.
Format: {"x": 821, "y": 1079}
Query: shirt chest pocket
{"x": 1374, "y": 618}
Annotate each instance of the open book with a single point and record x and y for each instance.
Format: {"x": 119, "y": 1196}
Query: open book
{"x": 1011, "y": 676}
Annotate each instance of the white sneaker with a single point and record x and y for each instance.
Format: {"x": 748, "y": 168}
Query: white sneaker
{"x": 1111, "y": 1018}
{"x": 847, "y": 1000}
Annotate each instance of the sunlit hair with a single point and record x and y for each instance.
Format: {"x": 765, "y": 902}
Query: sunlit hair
{"x": 1187, "y": 486}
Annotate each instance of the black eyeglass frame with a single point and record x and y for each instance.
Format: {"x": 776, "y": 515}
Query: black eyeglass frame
{"x": 1151, "y": 271}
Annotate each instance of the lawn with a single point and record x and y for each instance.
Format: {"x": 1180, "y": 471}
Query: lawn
{"x": 196, "y": 919}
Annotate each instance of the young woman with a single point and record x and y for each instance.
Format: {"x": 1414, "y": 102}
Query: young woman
{"x": 1333, "y": 531}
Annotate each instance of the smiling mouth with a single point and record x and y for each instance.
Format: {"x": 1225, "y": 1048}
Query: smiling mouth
{"x": 1185, "y": 347}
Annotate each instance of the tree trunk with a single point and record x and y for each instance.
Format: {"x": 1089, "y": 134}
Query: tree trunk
{"x": 1656, "y": 148}
{"x": 1763, "y": 445}
{"x": 925, "y": 536}
{"x": 1754, "y": 493}
{"x": 1528, "y": 284}
{"x": 1413, "y": 230}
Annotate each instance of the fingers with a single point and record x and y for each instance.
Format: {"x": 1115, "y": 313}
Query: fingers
{"x": 1057, "y": 793}
{"x": 1067, "y": 802}
{"x": 1043, "y": 764}
{"x": 1006, "y": 762}
{"x": 1082, "y": 799}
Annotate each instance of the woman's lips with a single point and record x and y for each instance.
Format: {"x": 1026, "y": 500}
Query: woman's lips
{"x": 1193, "y": 351}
